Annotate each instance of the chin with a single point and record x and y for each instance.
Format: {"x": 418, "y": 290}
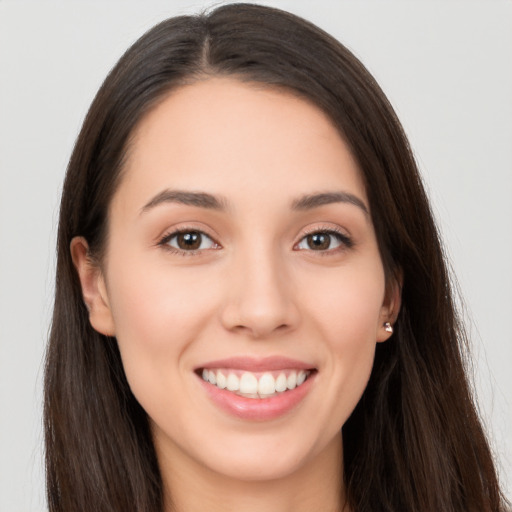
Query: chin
{"x": 262, "y": 468}
{"x": 269, "y": 457}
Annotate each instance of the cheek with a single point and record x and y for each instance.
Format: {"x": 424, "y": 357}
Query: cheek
{"x": 347, "y": 315}
{"x": 348, "y": 304}
{"x": 156, "y": 317}
{"x": 157, "y": 306}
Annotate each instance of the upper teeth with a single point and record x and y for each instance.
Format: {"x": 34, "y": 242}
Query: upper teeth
{"x": 255, "y": 385}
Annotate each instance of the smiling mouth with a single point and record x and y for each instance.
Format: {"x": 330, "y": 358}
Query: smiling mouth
{"x": 255, "y": 384}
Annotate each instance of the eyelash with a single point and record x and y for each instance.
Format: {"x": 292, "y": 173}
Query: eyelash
{"x": 345, "y": 241}
{"x": 164, "y": 241}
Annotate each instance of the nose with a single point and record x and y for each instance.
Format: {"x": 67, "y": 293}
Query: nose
{"x": 260, "y": 299}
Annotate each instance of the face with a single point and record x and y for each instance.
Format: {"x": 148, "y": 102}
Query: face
{"x": 242, "y": 280}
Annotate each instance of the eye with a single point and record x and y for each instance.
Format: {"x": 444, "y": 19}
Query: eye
{"x": 189, "y": 241}
{"x": 324, "y": 241}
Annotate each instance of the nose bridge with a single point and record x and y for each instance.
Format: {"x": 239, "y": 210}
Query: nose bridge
{"x": 259, "y": 298}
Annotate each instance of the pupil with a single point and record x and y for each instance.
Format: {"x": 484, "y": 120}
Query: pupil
{"x": 319, "y": 241}
{"x": 191, "y": 240}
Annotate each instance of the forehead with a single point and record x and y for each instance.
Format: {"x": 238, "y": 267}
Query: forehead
{"x": 226, "y": 136}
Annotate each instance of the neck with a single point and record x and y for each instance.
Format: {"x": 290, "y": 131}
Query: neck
{"x": 317, "y": 485}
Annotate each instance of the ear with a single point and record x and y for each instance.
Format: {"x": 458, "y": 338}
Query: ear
{"x": 94, "y": 290}
{"x": 390, "y": 307}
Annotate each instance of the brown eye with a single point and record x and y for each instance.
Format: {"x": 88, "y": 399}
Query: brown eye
{"x": 189, "y": 241}
{"x": 324, "y": 241}
{"x": 319, "y": 241}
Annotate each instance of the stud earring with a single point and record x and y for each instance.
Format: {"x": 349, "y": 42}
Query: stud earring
{"x": 388, "y": 327}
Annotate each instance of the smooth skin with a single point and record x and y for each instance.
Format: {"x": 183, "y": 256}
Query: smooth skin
{"x": 265, "y": 278}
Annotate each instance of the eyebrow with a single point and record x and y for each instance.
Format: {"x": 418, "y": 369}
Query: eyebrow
{"x": 199, "y": 199}
{"x": 211, "y": 202}
{"x": 311, "y": 201}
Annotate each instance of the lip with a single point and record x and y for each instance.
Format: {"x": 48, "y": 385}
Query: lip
{"x": 252, "y": 364}
{"x": 258, "y": 409}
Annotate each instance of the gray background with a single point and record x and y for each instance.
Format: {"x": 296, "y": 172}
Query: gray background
{"x": 446, "y": 67}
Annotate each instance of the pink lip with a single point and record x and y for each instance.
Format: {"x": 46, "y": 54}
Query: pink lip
{"x": 258, "y": 409}
{"x": 252, "y": 364}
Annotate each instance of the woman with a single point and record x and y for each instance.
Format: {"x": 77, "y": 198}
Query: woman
{"x": 252, "y": 307}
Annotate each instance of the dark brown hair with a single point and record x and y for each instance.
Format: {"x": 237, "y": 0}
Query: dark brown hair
{"x": 414, "y": 441}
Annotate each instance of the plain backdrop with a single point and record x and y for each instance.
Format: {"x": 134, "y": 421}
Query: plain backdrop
{"x": 446, "y": 67}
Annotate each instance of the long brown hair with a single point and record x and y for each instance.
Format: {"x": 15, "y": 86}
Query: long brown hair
{"x": 414, "y": 441}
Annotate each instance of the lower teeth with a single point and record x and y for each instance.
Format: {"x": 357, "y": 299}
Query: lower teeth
{"x": 256, "y": 395}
